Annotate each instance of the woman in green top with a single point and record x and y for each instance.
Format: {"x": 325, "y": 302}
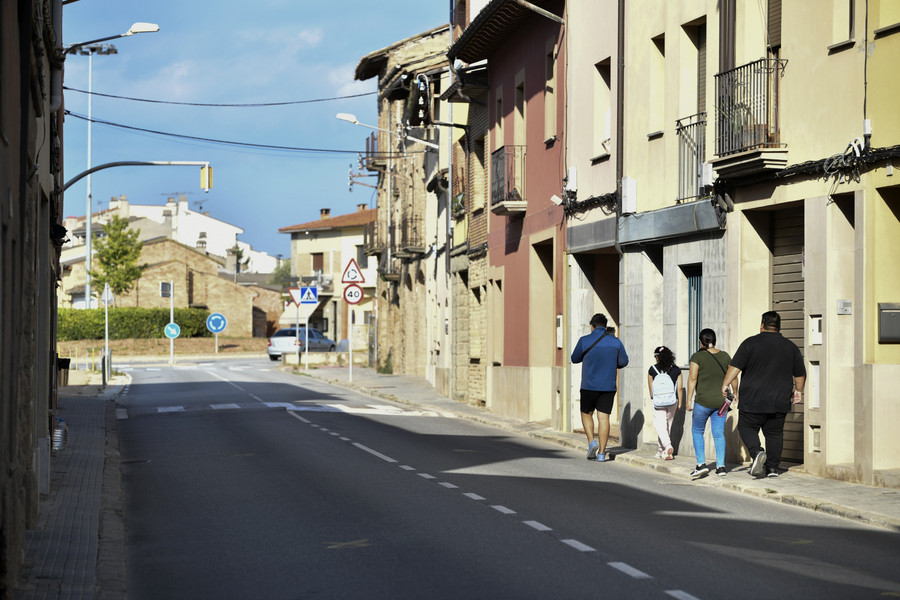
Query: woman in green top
{"x": 708, "y": 367}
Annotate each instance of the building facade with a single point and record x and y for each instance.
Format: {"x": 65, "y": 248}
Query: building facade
{"x": 321, "y": 251}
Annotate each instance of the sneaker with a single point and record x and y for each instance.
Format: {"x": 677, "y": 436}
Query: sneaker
{"x": 593, "y": 449}
{"x": 720, "y": 471}
{"x": 601, "y": 457}
{"x": 661, "y": 455}
{"x": 700, "y": 470}
{"x": 670, "y": 453}
{"x": 756, "y": 467}
{"x": 771, "y": 472}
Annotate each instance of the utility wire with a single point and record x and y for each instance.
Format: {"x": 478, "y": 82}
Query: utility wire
{"x": 248, "y": 105}
{"x": 233, "y": 143}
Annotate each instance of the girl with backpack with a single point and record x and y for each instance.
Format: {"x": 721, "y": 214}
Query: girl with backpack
{"x": 664, "y": 381}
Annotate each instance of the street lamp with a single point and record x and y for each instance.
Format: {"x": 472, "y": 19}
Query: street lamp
{"x": 350, "y": 118}
{"x": 90, "y": 48}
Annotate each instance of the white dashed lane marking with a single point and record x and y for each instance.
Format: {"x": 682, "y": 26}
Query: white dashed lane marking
{"x": 629, "y": 570}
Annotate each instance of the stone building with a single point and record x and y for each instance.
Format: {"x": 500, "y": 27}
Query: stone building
{"x": 411, "y": 234}
{"x": 30, "y": 237}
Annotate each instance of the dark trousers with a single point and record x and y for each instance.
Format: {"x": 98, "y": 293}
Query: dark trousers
{"x": 772, "y": 425}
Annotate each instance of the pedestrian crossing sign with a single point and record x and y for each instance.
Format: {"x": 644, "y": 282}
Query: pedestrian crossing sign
{"x": 309, "y": 295}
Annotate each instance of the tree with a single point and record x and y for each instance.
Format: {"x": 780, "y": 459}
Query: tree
{"x": 117, "y": 255}
{"x": 239, "y": 260}
{"x": 281, "y": 274}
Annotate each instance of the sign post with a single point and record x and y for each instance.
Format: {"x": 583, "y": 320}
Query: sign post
{"x": 353, "y": 294}
{"x": 106, "y": 298}
{"x": 304, "y": 295}
{"x": 167, "y": 290}
{"x": 216, "y": 324}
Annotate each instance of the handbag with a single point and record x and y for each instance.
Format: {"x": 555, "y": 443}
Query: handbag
{"x": 726, "y": 405}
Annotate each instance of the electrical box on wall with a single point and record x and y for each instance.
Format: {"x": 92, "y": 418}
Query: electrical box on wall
{"x": 629, "y": 195}
{"x": 815, "y": 329}
{"x": 559, "y": 332}
{"x": 888, "y": 323}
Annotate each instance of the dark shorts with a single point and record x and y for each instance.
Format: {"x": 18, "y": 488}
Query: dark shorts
{"x": 599, "y": 401}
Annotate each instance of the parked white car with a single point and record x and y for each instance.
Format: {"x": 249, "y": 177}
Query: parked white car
{"x": 287, "y": 341}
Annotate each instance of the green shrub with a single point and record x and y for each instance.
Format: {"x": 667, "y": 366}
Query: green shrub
{"x": 128, "y": 322}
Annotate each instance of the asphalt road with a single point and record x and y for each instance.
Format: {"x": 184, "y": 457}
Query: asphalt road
{"x": 241, "y": 481}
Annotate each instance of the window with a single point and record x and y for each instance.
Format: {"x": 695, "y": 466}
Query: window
{"x": 498, "y": 119}
{"x": 841, "y": 21}
{"x": 602, "y": 132}
{"x": 361, "y": 258}
{"x": 519, "y": 115}
{"x": 550, "y": 91}
{"x": 694, "y": 276}
{"x": 478, "y": 187}
{"x": 657, "y": 82}
{"x": 318, "y": 261}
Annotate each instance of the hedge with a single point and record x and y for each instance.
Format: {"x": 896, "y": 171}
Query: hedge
{"x": 128, "y": 322}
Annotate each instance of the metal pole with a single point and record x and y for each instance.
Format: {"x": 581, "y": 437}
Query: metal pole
{"x": 350, "y": 342}
{"x": 89, "y": 206}
{"x": 106, "y": 361}
{"x": 306, "y": 343}
{"x": 171, "y": 320}
{"x": 297, "y": 332}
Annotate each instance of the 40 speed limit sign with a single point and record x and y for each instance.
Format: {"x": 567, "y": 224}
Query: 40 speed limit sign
{"x": 353, "y": 294}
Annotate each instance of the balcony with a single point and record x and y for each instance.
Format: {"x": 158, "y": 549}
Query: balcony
{"x": 374, "y": 238}
{"x": 747, "y": 129}
{"x": 372, "y": 160}
{"x": 325, "y": 283}
{"x": 411, "y": 238}
{"x": 508, "y": 180}
{"x": 691, "y": 133}
{"x": 389, "y": 269}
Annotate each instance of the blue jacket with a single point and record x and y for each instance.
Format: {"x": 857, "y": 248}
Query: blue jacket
{"x": 600, "y": 364}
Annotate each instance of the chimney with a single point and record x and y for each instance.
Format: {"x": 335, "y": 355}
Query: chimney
{"x": 325, "y": 213}
{"x": 360, "y": 207}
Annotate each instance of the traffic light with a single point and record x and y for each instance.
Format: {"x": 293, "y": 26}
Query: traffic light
{"x": 206, "y": 177}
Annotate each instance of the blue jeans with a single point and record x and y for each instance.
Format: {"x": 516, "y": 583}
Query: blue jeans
{"x": 698, "y": 426}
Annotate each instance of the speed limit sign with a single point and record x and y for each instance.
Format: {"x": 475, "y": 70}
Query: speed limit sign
{"x": 353, "y": 294}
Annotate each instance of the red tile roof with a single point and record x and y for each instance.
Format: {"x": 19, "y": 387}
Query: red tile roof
{"x": 354, "y": 219}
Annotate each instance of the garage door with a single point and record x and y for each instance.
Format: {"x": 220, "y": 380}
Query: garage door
{"x": 787, "y": 299}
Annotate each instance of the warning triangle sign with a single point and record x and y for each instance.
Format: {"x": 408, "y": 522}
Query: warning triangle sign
{"x": 352, "y": 274}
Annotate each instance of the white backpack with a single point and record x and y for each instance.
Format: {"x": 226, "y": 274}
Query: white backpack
{"x": 663, "y": 389}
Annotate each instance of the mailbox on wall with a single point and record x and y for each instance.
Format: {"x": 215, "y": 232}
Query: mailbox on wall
{"x": 888, "y": 323}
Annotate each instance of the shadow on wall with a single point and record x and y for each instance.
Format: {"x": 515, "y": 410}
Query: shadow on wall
{"x": 630, "y": 427}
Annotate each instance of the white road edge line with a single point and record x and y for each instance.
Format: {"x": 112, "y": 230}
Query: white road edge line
{"x": 298, "y": 417}
{"x": 578, "y": 545}
{"x": 681, "y": 595}
{"x": 629, "y": 570}
{"x": 374, "y": 453}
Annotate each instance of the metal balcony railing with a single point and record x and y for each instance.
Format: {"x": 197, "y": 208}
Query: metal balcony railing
{"x": 508, "y": 175}
{"x": 374, "y": 237}
{"x": 747, "y": 106}
{"x": 691, "y": 132}
{"x": 412, "y": 234}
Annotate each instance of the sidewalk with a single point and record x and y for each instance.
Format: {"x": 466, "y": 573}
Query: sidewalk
{"x": 871, "y": 505}
{"x": 77, "y": 549}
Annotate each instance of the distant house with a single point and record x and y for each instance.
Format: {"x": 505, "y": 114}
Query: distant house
{"x": 251, "y": 310}
{"x": 320, "y": 252}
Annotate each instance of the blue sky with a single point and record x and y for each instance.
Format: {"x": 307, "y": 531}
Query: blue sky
{"x": 230, "y": 52}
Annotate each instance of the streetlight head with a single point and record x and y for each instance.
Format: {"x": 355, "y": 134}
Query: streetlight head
{"x": 348, "y": 117}
{"x": 142, "y": 28}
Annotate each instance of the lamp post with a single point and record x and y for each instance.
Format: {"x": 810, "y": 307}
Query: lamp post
{"x": 350, "y": 118}
{"x": 90, "y": 48}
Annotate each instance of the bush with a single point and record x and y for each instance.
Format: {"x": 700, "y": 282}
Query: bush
{"x": 128, "y": 322}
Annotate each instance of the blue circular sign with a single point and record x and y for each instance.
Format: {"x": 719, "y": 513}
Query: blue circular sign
{"x": 216, "y": 323}
{"x": 173, "y": 330}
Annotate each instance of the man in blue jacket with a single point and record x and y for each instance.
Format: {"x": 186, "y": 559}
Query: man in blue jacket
{"x": 602, "y": 354}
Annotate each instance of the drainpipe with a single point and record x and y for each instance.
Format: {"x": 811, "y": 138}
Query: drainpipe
{"x": 56, "y": 71}
{"x": 620, "y": 121}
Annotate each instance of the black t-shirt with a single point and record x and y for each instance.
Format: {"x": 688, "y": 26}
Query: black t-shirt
{"x": 768, "y": 362}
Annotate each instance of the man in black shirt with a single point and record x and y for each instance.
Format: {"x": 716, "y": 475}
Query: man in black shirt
{"x": 772, "y": 379}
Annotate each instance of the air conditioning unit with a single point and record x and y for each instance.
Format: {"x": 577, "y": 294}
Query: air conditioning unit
{"x": 629, "y": 195}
